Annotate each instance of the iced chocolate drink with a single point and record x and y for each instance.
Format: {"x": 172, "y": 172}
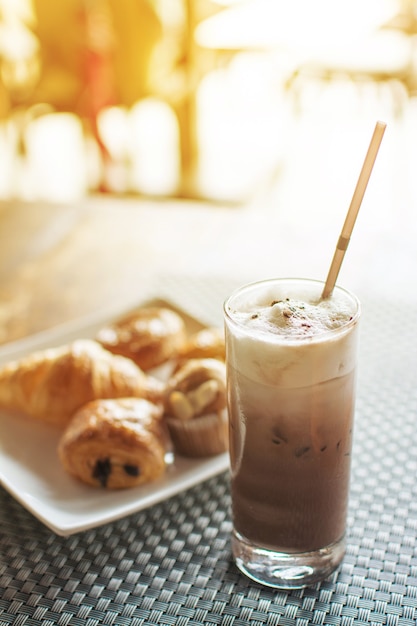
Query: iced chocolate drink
{"x": 291, "y": 360}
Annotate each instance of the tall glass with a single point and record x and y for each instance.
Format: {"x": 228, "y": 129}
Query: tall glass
{"x": 291, "y": 394}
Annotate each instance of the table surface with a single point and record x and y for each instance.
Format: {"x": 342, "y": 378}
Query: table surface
{"x": 171, "y": 563}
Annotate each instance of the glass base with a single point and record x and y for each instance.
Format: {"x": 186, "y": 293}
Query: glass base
{"x": 285, "y": 570}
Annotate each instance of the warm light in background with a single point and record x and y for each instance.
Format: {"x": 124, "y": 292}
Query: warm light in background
{"x": 298, "y": 25}
{"x": 196, "y": 98}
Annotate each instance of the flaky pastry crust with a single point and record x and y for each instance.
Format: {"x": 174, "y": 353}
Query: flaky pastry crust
{"x": 207, "y": 343}
{"x": 115, "y": 443}
{"x": 149, "y": 336}
{"x": 52, "y": 384}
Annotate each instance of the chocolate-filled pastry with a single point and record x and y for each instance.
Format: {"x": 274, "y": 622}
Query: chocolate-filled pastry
{"x": 115, "y": 443}
{"x": 52, "y": 384}
{"x": 207, "y": 343}
{"x": 195, "y": 408}
{"x": 149, "y": 336}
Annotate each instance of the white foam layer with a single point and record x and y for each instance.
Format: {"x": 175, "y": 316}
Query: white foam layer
{"x": 288, "y": 336}
{"x": 294, "y": 318}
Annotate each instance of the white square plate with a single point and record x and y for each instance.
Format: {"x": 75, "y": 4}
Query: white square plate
{"x": 31, "y": 472}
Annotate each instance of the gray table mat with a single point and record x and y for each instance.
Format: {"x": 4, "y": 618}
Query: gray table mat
{"x": 171, "y": 564}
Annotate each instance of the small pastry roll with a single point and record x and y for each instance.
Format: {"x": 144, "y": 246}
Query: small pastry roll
{"x": 115, "y": 443}
{"x": 149, "y": 336}
{"x": 207, "y": 343}
{"x": 195, "y": 408}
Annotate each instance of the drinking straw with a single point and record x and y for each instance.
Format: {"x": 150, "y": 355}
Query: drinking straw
{"x": 353, "y": 210}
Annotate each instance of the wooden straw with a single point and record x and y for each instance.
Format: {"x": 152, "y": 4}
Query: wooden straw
{"x": 352, "y": 213}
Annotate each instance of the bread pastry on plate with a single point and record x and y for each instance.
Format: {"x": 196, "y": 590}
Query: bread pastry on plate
{"x": 207, "y": 343}
{"x": 195, "y": 408}
{"x": 115, "y": 443}
{"x": 149, "y": 336}
{"x": 52, "y": 384}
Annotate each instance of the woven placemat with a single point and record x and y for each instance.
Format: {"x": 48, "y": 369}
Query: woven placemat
{"x": 171, "y": 564}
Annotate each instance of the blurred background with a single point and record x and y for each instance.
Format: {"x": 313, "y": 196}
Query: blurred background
{"x": 146, "y": 140}
{"x": 201, "y": 99}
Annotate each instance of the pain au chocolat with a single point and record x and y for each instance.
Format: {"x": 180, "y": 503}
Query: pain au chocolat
{"x": 116, "y": 443}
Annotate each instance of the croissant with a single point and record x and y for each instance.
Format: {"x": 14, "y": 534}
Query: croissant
{"x": 207, "y": 343}
{"x": 115, "y": 443}
{"x": 52, "y": 384}
{"x": 149, "y": 336}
